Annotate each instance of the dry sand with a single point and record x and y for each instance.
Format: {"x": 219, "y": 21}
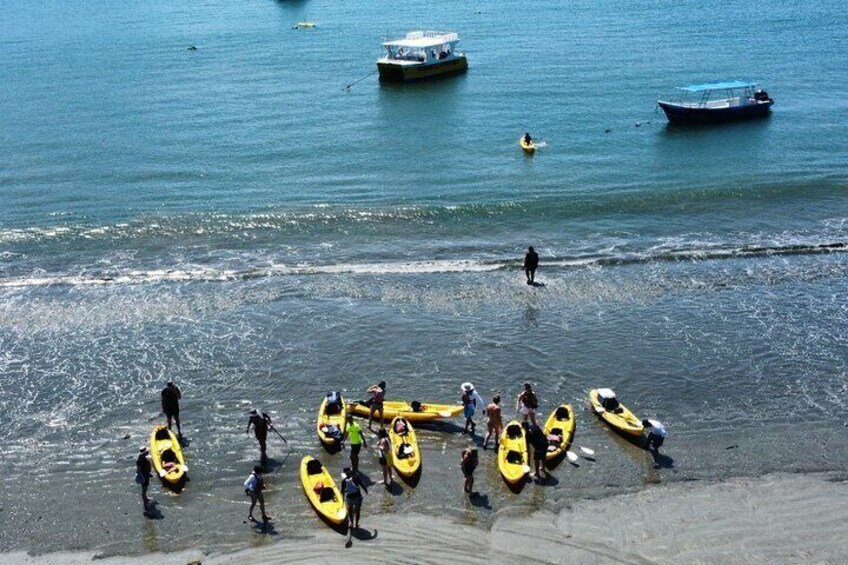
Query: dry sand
{"x": 772, "y": 519}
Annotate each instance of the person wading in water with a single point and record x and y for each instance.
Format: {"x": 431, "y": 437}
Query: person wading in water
{"x": 260, "y": 422}
{"x": 171, "y": 396}
{"x": 531, "y": 263}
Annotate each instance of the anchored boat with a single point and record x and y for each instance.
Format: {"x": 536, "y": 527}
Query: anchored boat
{"x": 716, "y": 102}
{"x": 421, "y": 55}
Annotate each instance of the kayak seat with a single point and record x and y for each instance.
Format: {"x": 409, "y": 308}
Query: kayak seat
{"x": 562, "y": 413}
{"x": 314, "y": 467}
{"x": 513, "y": 431}
{"x": 556, "y": 432}
{"x": 162, "y": 434}
{"x": 514, "y": 458}
{"x": 327, "y": 495}
{"x": 168, "y": 456}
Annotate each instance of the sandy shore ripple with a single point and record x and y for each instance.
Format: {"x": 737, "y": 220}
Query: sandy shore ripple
{"x": 772, "y": 519}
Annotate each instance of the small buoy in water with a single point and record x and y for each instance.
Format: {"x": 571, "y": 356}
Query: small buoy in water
{"x": 607, "y": 130}
{"x": 191, "y": 48}
{"x": 638, "y": 124}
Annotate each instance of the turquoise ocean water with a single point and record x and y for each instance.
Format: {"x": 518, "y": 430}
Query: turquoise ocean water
{"x": 235, "y": 219}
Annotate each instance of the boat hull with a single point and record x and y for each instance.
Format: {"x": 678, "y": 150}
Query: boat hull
{"x": 391, "y": 72}
{"x": 678, "y": 114}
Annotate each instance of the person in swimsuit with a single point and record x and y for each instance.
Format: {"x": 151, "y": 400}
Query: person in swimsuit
{"x": 171, "y": 396}
{"x": 470, "y": 401}
{"x": 494, "y": 423}
{"x": 378, "y": 395}
{"x": 143, "y": 471}
{"x": 527, "y": 403}
{"x": 260, "y": 422}
{"x": 384, "y": 447}
{"x": 253, "y": 487}
{"x": 468, "y": 463}
{"x": 357, "y": 442}
{"x": 531, "y": 263}
{"x": 352, "y": 488}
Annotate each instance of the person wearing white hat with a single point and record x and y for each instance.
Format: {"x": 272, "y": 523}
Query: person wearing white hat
{"x": 143, "y": 471}
{"x": 470, "y": 401}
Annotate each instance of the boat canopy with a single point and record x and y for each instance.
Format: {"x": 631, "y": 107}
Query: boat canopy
{"x": 424, "y": 39}
{"x": 717, "y": 86}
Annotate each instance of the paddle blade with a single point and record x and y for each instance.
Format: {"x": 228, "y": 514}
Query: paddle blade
{"x": 526, "y": 469}
{"x": 571, "y": 456}
{"x": 445, "y": 414}
{"x": 587, "y": 451}
{"x": 162, "y": 473}
{"x": 185, "y": 468}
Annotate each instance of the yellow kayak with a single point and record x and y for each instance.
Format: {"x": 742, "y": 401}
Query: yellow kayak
{"x": 167, "y": 455}
{"x": 619, "y": 418}
{"x": 424, "y": 413}
{"x": 512, "y": 453}
{"x": 560, "y": 423}
{"x": 527, "y": 147}
{"x": 336, "y": 416}
{"x": 406, "y": 457}
{"x": 322, "y": 491}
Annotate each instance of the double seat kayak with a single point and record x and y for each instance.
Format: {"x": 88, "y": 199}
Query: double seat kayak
{"x": 167, "y": 455}
{"x": 513, "y": 460}
{"x": 332, "y": 420}
{"x": 321, "y": 490}
{"x": 406, "y": 457}
{"x": 412, "y": 411}
{"x": 559, "y": 430}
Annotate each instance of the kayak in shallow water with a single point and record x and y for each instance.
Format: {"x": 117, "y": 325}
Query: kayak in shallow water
{"x": 512, "y": 453}
{"x": 321, "y": 490}
{"x": 406, "y": 457}
{"x": 167, "y": 455}
{"x": 560, "y": 430}
{"x": 414, "y": 411}
{"x": 614, "y": 413}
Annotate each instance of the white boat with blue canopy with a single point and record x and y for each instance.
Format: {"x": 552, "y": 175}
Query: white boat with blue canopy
{"x": 715, "y": 102}
{"x": 421, "y": 55}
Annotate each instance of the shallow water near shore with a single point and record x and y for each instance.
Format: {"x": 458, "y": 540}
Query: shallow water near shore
{"x": 235, "y": 220}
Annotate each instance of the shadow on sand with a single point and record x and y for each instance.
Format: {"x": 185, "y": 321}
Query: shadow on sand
{"x": 153, "y": 512}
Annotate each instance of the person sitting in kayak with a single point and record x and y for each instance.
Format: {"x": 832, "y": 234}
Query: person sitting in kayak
{"x": 260, "y": 422}
{"x": 656, "y": 434}
{"x": 527, "y": 139}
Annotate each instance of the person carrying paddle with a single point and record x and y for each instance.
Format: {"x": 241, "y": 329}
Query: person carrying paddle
{"x": 494, "y": 423}
{"x": 357, "y": 442}
{"x": 656, "y": 434}
{"x": 375, "y": 403}
{"x": 171, "y": 396}
{"x": 253, "y": 487}
{"x": 468, "y": 463}
{"x": 531, "y": 263}
{"x": 352, "y": 488}
{"x": 527, "y": 403}
{"x": 527, "y": 139}
{"x": 260, "y": 422}
{"x": 143, "y": 472}
{"x": 470, "y": 401}
{"x": 384, "y": 447}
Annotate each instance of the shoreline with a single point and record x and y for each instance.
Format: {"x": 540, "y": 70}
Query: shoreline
{"x": 785, "y": 518}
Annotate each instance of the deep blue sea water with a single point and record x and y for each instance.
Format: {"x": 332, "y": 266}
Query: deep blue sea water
{"x": 235, "y": 219}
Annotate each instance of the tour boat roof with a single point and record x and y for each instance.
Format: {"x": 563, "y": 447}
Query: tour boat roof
{"x": 420, "y": 39}
{"x": 717, "y": 86}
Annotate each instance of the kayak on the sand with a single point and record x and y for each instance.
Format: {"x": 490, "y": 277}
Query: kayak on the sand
{"x": 412, "y": 411}
{"x": 512, "y": 453}
{"x": 406, "y": 457}
{"x": 321, "y": 491}
{"x": 167, "y": 455}
{"x": 332, "y": 419}
{"x": 560, "y": 430}
{"x": 610, "y": 410}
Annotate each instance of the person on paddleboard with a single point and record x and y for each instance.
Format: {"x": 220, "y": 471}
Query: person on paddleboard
{"x": 375, "y": 403}
{"x": 527, "y": 139}
{"x": 527, "y": 403}
{"x": 357, "y": 442}
{"x": 531, "y": 263}
{"x": 143, "y": 472}
{"x": 260, "y": 422}
{"x": 253, "y": 487}
{"x": 352, "y": 488}
{"x": 470, "y": 401}
{"x": 655, "y": 434}
{"x": 494, "y": 422}
{"x": 468, "y": 463}
{"x": 171, "y": 396}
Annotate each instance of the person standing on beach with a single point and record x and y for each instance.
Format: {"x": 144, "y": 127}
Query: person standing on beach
{"x": 253, "y": 487}
{"x": 357, "y": 442}
{"x": 171, "y": 396}
{"x": 527, "y": 403}
{"x": 143, "y": 472}
{"x": 494, "y": 423}
{"x": 470, "y": 401}
{"x": 375, "y": 403}
{"x": 468, "y": 463}
{"x": 531, "y": 263}
{"x": 539, "y": 442}
{"x": 352, "y": 488}
{"x": 384, "y": 447}
{"x": 260, "y": 422}
{"x": 656, "y": 434}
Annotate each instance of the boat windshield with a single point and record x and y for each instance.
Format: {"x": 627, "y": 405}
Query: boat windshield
{"x": 419, "y": 54}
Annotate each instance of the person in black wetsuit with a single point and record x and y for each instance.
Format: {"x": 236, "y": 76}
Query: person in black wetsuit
{"x": 171, "y": 396}
{"x": 539, "y": 442}
{"x": 531, "y": 263}
{"x": 260, "y": 422}
{"x": 143, "y": 471}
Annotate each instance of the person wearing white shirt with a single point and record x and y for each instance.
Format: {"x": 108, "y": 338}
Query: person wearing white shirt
{"x": 656, "y": 433}
{"x": 470, "y": 401}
